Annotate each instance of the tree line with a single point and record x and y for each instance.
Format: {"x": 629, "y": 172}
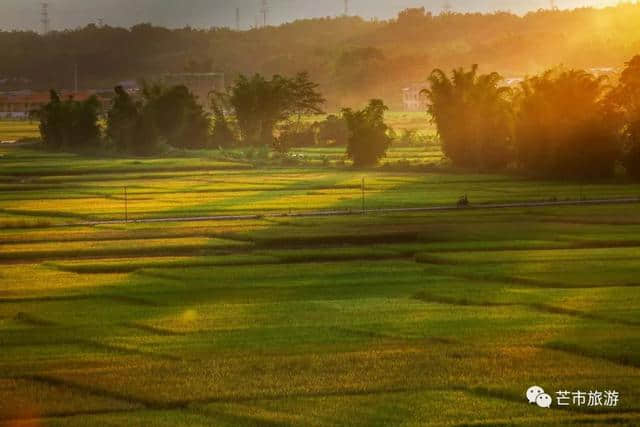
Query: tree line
{"x": 563, "y": 123}
{"x": 254, "y": 112}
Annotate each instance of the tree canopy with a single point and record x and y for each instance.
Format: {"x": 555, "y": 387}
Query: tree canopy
{"x": 368, "y": 139}
{"x": 259, "y": 104}
{"x": 69, "y": 124}
{"x": 565, "y": 127}
{"x": 626, "y": 96}
{"x": 473, "y": 116}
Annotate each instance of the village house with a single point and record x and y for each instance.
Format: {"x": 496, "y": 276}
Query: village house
{"x": 20, "y": 105}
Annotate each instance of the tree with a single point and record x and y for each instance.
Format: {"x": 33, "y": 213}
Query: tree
{"x": 130, "y": 125}
{"x": 181, "y": 122}
{"x": 368, "y": 139}
{"x": 163, "y": 115}
{"x": 626, "y": 97}
{"x": 292, "y": 134}
{"x": 69, "y": 124}
{"x": 122, "y": 123}
{"x": 222, "y": 134}
{"x": 333, "y": 130}
{"x": 260, "y": 104}
{"x": 565, "y": 126}
{"x": 474, "y": 117}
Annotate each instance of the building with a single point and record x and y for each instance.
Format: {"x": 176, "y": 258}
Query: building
{"x": 413, "y": 99}
{"x": 20, "y": 105}
{"x": 200, "y": 84}
{"x": 513, "y": 81}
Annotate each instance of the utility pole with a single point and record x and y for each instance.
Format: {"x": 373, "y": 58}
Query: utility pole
{"x": 75, "y": 78}
{"x": 346, "y": 7}
{"x": 364, "y": 209}
{"x": 237, "y": 19}
{"x": 264, "y": 10}
{"x": 44, "y": 18}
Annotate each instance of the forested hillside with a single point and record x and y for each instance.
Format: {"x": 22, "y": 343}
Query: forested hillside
{"x": 352, "y": 59}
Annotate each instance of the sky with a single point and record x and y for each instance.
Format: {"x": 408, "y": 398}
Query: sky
{"x": 25, "y": 14}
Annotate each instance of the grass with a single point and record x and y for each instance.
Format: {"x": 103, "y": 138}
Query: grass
{"x": 414, "y": 319}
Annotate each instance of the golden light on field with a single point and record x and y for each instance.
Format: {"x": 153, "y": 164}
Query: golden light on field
{"x": 189, "y": 316}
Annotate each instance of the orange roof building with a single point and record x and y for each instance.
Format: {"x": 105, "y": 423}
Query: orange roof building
{"x": 20, "y": 106}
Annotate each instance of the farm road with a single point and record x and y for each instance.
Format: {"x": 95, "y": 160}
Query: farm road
{"x": 303, "y": 214}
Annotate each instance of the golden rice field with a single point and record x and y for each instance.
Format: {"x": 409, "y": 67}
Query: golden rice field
{"x": 414, "y": 319}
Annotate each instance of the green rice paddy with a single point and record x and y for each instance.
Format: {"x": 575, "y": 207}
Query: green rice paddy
{"x": 400, "y": 319}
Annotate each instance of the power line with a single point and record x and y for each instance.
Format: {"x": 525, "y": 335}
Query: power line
{"x": 264, "y": 10}
{"x": 44, "y": 18}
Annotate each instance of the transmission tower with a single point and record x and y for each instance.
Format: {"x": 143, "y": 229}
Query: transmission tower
{"x": 44, "y": 18}
{"x": 264, "y": 10}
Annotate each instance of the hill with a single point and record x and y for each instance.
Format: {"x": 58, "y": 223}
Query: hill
{"x": 351, "y": 58}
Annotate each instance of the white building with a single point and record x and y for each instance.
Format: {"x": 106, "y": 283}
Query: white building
{"x": 413, "y": 99}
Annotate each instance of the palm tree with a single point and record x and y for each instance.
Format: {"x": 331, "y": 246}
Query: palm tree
{"x": 566, "y": 126}
{"x": 473, "y": 116}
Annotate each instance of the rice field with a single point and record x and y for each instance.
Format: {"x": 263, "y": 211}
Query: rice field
{"x": 423, "y": 319}
{"x": 14, "y": 130}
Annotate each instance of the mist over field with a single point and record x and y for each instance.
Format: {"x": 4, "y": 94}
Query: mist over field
{"x": 24, "y": 14}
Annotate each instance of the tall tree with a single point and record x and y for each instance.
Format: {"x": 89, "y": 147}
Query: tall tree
{"x": 368, "y": 138}
{"x": 180, "y": 120}
{"x": 70, "y": 124}
{"x": 260, "y": 104}
{"x": 626, "y": 97}
{"x": 473, "y": 116}
{"x": 565, "y": 126}
{"x": 222, "y": 134}
{"x": 123, "y": 121}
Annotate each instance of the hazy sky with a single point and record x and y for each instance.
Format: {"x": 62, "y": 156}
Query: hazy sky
{"x": 21, "y": 14}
